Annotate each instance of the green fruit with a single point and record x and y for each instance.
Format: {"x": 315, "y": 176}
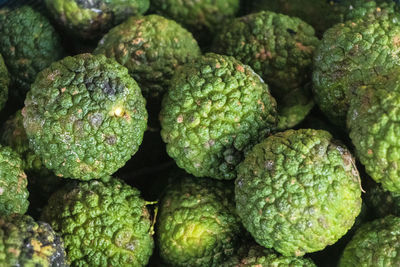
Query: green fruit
{"x": 13, "y": 183}
{"x": 298, "y": 191}
{"x": 279, "y": 48}
{"x": 152, "y": 48}
{"x": 4, "y": 82}
{"x": 374, "y": 244}
{"x": 103, "y": 223}
{"x": 381, "y": 202}
{"x": 197, "y": 15}
{"x": 197, "y": 223}
{"x": 90, "y": 19}
{"x": 28, "y": 43}
{"x": 373, "y": 122}
{"x": 351, "y": 54}
{"x": 215, "y": 110}
{"x": 24, "y": 242}
{"x": 85, "y": 117}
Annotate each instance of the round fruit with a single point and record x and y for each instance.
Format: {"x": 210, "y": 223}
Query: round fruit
{"x": 298, "y": 191}
{"x": 103, "y": 223}
{"x": 4, "y": 82}
{"x": 215, "y": 109}
{"x": 85, "y": 116}
{"x": 90, "y": 19}
{"x": 197, "y": 223}
{"x": 152, "y": 48}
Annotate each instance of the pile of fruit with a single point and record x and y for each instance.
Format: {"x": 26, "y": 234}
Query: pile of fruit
{"x": 200, "y": 133}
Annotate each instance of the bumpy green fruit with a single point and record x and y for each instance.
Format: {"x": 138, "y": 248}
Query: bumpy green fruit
{"x": 13, "y": 183}
{"x": 102, "y": 223}
{"x": 24, "y": 242}
{"x": 4, "y": 82}
{"x": 351, "y": 54}
{"x": 85, "y": 116}
{"x": 152, "y": 48}
{"x": 373, "y": 122}
{"x": 374, "y": 244}
{"x": 28, "y": 43}
{"x": 381, "y": 202}
{"x": 197, "y": 223}
{"x": 89, "y": 19}
{"x": 298, "y": 191}
{"x": 197, "y": 15}
{"x": 279, "y": 48}
{"x": 215, "y": 109}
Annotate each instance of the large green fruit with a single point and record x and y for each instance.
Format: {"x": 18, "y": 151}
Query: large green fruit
{"x": 152, "y": 48}
{"x": 28, "y": 43}
{"x": 103, "y": 223}
{"x": 4, "y": 82}
{"x": 24, "y": 242}
{"x": 374, "y": 244}
{"x": 298, "y": 191}
{"x": 13, "y": 183}
{"x": 197, "y": 223}
{"x": 85, "y": 116}
{"x": 354, "y": 53}
{"x": 279, "y": 48}
{"x": 215, "y": 110}
{"x": 90, "y": 19}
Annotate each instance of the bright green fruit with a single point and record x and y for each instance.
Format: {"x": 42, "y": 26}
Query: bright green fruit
{"x": 215, "y": 110}
{"x": 4, "y": 83}
{"x": 28, "y": 43}
{"x": 103, "y": 223}
{"x": 152, "y": 48}
{"x": 374, "y": 244}
{"x": 351, "y": 54}
{"x": 24, "y": 242}
{"x": 373, "y": 124}
{"x": 298, "y": 191}
{"x": 13, "y": 183}
{"x": 197, "y": 223}
{"x": 279, "y": 48}
{"x": 90, "y": 19}
{"x": 85, "y": 116}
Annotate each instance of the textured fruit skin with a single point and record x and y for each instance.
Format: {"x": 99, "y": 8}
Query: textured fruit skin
{"x": 89, "y": 19}
{"x": 24, "y": 242}
{"x": 197, "y": 15}
{"x": 215, "y": 109}
{"x": 89, "y": 120}
{"x": 372, "y": 122}
{"x": 352, "y": 53}
{"x": 298, "y": 191}
{"x": 279, "y": 48}
{"x": 4, "y": 82}
{"x": 376, "y": 243}
{"x": 381, "y": 202}
{"x": 152, "y": 48}
{"x": 103, "y": 223}
{"x": 13, "y": 183}
{"x": 27, "y": 54}
{"x": 197, "y": 223}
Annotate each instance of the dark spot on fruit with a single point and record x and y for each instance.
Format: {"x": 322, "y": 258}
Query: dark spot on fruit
{"x": 292, "y": 32}
{"x": 111, "y": 139}
{"x": 107, "y": 89}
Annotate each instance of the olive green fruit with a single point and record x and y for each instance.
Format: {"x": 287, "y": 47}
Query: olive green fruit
{"x": 28, "y": 43}
{"x": 381, "y": 202}
{"x": 351, "y": 54}
{"x": 197, "y": 224}
{"x": 90, "y": 19}
{"x": 372, "y": 122}
{"x": 298, "y": 191}
{"x": 4, "y": 83}
{"x": 374, "y": 244}
{"x": 279, "y": 48}
{"x": 85, "y": 116}
{"x": 197, "y": 15}
{"x": 13, "y": 183}
{"x": 215, "y": 109}
{"x": 152, "y": 48}
{"x": 356, "y": 9}
{"x": 24, "y": 242}
{"x": 103, "y": 223}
